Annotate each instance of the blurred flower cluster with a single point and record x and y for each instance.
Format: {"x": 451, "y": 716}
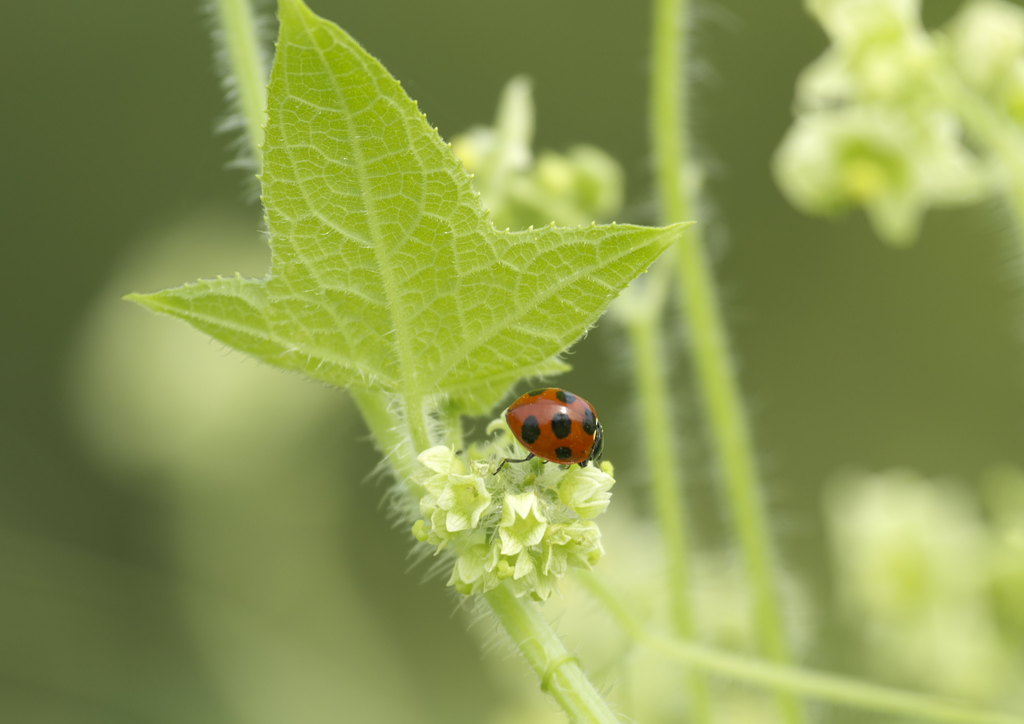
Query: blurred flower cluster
{"x": 898, "y": 119}
{"x": 577, "y": 187}
{"x": 525, "y": 525}
{"x": 932, "y": 582}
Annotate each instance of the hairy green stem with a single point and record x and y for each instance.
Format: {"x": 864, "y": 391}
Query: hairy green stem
{"x": 417, "y": 421}
{"x": 830, "y": 688}
{"x": 650, "y": 378}
{"x": 669, "y": 109}
{"x": 245, "y": 66}
{"x": 731, "y": 434}
{"x": 560, "y": 674}
{"x": 380, "y": 418}
{"x": 716, "y": 377}
{"x": 667, "y": 113}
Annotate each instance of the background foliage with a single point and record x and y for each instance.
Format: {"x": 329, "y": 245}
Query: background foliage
{"x": 187, "y": 536}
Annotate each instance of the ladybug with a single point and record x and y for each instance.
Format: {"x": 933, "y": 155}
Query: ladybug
{"x": 556, "y": 426}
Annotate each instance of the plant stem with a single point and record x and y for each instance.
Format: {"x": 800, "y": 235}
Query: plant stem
{"x": 245, "y": 66}
{"x": 667, "y": 112}
{"x": 642, "y": 309}
{"x": 824, "y": 687}
{"x": 730, "y": 431}
{"x": 716, "y": 377}
{"x": 650, "y": 376}
{"x": 417, "y": 423}
{"x": 668, "y": 108}
{"x": 560, "y": 673}
{"x": 380, "y": 418}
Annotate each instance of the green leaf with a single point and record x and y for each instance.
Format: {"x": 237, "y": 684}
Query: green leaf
{"x": 386, "y": 273}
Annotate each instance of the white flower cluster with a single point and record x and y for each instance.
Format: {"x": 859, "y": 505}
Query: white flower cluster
{"x": 525, "y": 525}
{"x": 884, "y": 112}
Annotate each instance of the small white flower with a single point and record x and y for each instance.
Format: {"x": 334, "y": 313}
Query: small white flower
{"x": 441, "y": 459}
{"x": 587, "y": 491}
{"x": 464, "y": 499}
{"x": 522, "y": 524}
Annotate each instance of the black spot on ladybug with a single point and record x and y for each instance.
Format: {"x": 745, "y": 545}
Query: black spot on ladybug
{"x": 561, "y": 425}
{"x": 531, "y": 430}
{"x": 567, "y": 397}
{"x": 563, "y": 453}
{"x": 589, "y": 421}
{"x": 536, "y": 393}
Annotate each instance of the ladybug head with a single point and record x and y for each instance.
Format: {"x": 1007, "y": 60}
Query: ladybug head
{"x": 595, "y": 452}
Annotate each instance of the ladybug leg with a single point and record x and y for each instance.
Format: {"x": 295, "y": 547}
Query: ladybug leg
{"x": 510, "y": 460}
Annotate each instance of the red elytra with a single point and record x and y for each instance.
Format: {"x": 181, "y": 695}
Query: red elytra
{"x": 555, "y": 425}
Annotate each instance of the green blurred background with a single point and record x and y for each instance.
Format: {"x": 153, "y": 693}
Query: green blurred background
{"x": 187, "y": 536}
